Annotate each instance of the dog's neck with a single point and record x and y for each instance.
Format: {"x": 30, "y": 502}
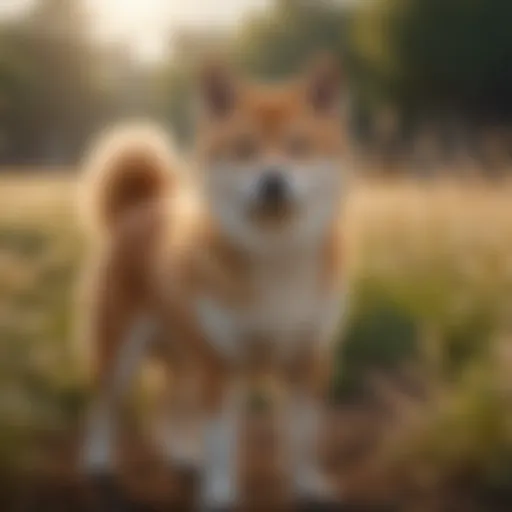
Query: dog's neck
{"x": 235, "y": 260}
{"x": 239, "y": 254}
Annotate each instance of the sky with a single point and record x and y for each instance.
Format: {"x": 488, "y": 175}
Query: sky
{"x": 147, "y": 24}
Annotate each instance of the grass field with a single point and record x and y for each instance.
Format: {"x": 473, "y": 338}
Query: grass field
{"x": 423, "y": 384}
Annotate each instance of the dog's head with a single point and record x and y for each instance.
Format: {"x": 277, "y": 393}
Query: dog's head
{"x": 272, "y": 156}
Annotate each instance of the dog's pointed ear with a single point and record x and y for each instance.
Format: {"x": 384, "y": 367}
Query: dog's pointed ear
{"x": 218, "y": 88}
{"x": 324, "y": 83}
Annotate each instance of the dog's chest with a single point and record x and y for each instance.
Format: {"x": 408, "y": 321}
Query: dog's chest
{"x": 289, "y": 308}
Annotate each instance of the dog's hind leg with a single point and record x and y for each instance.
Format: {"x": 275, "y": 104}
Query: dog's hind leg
{"x": 118, "y": 331}
{"x": 98, "y": 456}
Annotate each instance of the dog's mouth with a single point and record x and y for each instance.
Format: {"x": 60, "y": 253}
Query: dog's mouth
{"x": 272, "y": 215}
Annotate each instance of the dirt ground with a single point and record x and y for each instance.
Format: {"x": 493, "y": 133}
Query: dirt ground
{"x": 145, "y": 483}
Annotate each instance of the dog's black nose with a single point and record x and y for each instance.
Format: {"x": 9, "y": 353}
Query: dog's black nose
{"x": 273, "y": 190}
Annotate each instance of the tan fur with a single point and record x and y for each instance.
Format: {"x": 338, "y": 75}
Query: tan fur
{"x": 271, "y": 116}
{"x": 164, "y": 249}
{"x": 148, "y": 246}
{"x": 128, "y": 167}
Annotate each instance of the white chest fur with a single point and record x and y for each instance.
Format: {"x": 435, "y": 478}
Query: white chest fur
{"x": 290, "y": 308}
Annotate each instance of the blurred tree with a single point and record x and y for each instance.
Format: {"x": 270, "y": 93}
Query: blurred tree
{"x": 429, "y": 61}
{"x": 49, "y": 90}
{"x": 280, "y": 40}
{"x": 446, "y": 57}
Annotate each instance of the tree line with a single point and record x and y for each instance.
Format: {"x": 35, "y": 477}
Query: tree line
{"x": 436, "y": 63}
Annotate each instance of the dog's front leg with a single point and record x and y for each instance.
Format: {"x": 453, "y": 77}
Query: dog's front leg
{"x": 307, "y": 381}
{"x": 219, "y": 484}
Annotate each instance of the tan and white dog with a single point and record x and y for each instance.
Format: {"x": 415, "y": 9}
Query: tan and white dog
{"x": 230, "y": 271}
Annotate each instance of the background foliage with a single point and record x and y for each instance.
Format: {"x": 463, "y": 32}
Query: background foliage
{"x": 431, "y": 60}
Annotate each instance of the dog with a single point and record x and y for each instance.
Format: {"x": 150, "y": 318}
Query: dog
{"x": 229, "y": 271}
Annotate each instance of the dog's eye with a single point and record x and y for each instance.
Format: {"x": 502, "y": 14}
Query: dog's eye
{"x": 244, "y": 148}
{"x": 298, "y": 145}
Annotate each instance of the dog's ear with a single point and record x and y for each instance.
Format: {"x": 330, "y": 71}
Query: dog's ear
{"x": 324, "y": 83}
{"x": 218, "y": 88}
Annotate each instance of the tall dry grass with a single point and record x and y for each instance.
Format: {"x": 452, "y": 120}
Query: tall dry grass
{"x": 424, "y": 361}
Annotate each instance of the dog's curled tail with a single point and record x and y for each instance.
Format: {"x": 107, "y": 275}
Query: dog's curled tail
{"x": 128, "y": 168}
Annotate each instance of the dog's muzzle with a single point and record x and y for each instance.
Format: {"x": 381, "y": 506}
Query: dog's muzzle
{"x": 273, "y": 195}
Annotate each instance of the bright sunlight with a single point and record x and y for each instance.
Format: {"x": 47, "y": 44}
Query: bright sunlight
{"x": 148, "y": 25}
{"x": 143, "y": 24}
